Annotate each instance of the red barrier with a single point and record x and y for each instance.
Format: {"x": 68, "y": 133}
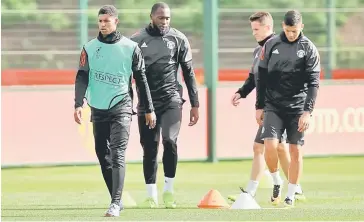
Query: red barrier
{"x": 38, "y": 127}
{"x": 67, "y": 77}
{"x": 337, "y": 125}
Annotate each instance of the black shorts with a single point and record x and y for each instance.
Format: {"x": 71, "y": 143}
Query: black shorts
{"x": 276, "y": 123}
{"x": 260, "y": 139}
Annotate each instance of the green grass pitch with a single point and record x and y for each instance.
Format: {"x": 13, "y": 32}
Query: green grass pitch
{"x": 334, "y": 188}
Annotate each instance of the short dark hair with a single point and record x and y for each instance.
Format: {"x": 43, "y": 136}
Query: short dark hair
{"x": 292, "y": 18}
{"x": 262, "y": 17}
{"x": 158, "y": 5}
{"x": 108, "y": 10}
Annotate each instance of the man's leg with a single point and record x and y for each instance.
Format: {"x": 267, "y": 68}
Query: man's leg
{"x": 149, "y": 140}
{"x": 258, "y": 164}
{"x": 283, "y": 155}
{"x": 101, "y": 131}
{"x": 170, "y": 124}
{"x": 296, "y": 141}
{"x": 119, "y": 138}
{"x": 272, "y": 132}
{"x": 285, "y": 159}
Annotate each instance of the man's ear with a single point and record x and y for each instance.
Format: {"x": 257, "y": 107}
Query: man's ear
{"x": 269, "y": 27}
{"x": 117, "y": 21}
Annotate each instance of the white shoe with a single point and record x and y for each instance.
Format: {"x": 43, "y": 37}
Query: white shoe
{"x": 113, "y": 211}
{"x": 121, "y": 206}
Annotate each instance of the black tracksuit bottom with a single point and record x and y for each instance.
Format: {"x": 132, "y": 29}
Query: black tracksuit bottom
{"x": 111, "y": 130}
{"x": 168, "y": 124}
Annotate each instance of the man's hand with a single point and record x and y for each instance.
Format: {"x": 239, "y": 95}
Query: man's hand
{"x": 235, "y": 99}
{"x": 151, "y": 120}
{"x": 193, "y": 116}
{"x": 304, "y": 122}
{"x": 77, "y": 115}
{"x": 259, "y": 114}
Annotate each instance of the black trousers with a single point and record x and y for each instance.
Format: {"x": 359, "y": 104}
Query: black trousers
{"x": 111, "y": 140}
{"x": 169, "y": 124}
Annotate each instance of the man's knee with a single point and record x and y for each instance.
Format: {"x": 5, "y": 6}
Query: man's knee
{"x": 101, "y": 148}
{"x": 118, "y": 145}
{"x": 101, "y": 140}
{"x": 150, "y": 149}
{"x": 271, "y": 143}
{"x": 258, "y": 148}
{"x": 149, "y": 140}
{"x": 295, "y": 152}
{"x": 103, "y": 152}
{"x": 105, "y": 159}
{"x": 170, "y": 145}
{"x": 282, "y": 148}
{"x": 170, "y": 136}
{"x": 118, "y": 156}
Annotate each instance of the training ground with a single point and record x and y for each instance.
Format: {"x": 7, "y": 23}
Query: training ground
{"x": 333, "y": 187}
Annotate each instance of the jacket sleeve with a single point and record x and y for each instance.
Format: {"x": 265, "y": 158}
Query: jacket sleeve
{"x": 262, "y": 75}
{"x": 185, "y": 60}
{"x": 313, "y": 69}
{"x": 82, "y": 79}
{"x": 249, "y": 83}
{"x": 138, "y": 67}
{"x": 247, "y": 87}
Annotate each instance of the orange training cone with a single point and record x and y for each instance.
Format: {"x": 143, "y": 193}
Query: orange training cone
{"x": 213, "y": 200}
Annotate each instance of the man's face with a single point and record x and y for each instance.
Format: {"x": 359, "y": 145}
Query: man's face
{"x": 161, "y": 19}
{"x": 107, "y": 24}
{"x": 292, "y": 32}
{"x": 260, "y": 31}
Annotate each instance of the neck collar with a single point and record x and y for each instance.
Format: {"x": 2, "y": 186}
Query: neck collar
{"x": 261, "y": 43}
{"x": 110, "y": 38}
{"x": 155, "y": 31}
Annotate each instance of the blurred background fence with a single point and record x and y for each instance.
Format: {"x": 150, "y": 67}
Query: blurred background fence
{"x": 48, "y": 34}
{"x": 42, "y": 40}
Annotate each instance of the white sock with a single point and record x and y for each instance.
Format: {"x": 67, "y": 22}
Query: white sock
{"x": 252, "y": 187}
{"x": 299, "y": 189}
{"x": 152, "y": 192}
{"x": 291, "y": 191}
{"x": 168, "y": 184}
{"x": 277, "y": 180}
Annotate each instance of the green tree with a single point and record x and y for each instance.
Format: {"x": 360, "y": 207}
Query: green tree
{"x": 188, "y": 14}
{"x": 26, "y": 14}
{"x": 315, "y": 23}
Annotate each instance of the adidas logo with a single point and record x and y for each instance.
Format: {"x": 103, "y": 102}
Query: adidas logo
{"x": 275, "y": 51}
{"x": 144, "y": 45}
